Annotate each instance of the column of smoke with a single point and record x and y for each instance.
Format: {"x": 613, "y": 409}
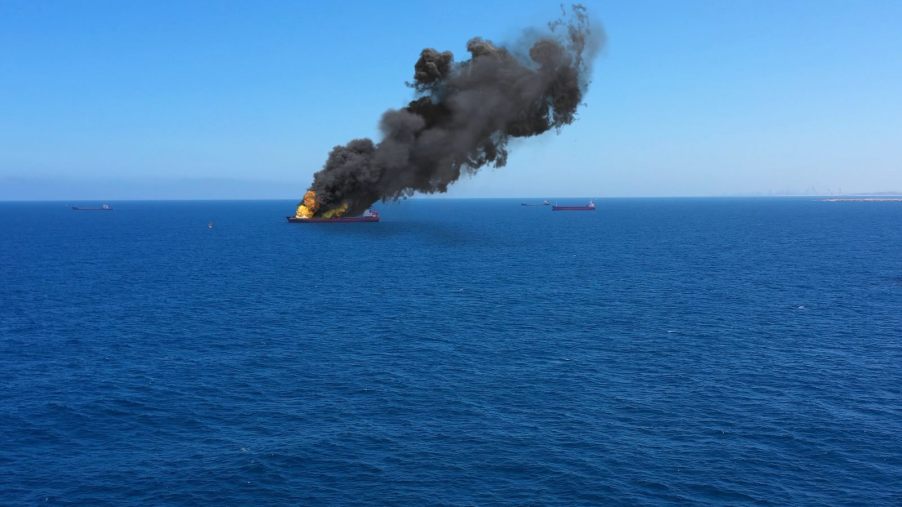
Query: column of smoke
{"x": 463, "y": 117}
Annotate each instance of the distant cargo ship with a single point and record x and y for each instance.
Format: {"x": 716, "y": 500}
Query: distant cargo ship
{"x": 587, "y": 207}
{"x": 544, "y": 203}
{"x": 103, "y": 207}
{"x": 370, "y": 216}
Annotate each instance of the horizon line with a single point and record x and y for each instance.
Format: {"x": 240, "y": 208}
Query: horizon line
{"x": 427, "y": 197}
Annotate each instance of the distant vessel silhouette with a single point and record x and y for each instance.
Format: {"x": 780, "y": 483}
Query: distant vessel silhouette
{"x": 103, "y": 207}
{"x": 587, "y": 207}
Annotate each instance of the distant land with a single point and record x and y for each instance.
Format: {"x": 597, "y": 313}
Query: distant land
{"x": 863, "y": 199}
{"x": 149, "y": 188}
{"x": 48, "y": 188}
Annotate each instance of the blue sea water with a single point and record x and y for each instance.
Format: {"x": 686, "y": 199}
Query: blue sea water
{"x": 460, "y": 352}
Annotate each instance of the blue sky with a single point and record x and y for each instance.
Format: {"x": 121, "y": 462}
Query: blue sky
{"x": 165, "y": 99}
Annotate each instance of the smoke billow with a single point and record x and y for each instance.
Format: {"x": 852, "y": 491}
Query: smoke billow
{"x": 463, "y": 117}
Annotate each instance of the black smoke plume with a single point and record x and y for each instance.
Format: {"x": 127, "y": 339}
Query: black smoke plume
{"x": 464, "y": 115}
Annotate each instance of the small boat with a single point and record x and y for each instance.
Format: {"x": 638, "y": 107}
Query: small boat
{"x": 103, "y": 207}
{"x": 587, "y": 207}
{"x": 371, "y": 215}
{"x": 210, "y": 225}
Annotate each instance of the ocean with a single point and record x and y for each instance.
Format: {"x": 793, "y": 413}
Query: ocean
{"x": 460, "y": 352}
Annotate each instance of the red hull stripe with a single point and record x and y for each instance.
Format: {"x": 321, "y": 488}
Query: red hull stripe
{"x": 332, "y": 220}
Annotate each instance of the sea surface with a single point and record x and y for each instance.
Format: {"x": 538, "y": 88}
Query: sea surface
{"x": 460, "y": 352}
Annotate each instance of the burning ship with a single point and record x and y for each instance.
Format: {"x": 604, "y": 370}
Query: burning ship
{"x": 308, "y": 212}
{"x": 587, "y": 207}
{"x": 463, "y": 116}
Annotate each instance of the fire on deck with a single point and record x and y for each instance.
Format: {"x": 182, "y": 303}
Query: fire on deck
{"x": 308, "y": 207}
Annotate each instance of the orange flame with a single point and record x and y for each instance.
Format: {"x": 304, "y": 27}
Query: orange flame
{"x": 308, "y": 208}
